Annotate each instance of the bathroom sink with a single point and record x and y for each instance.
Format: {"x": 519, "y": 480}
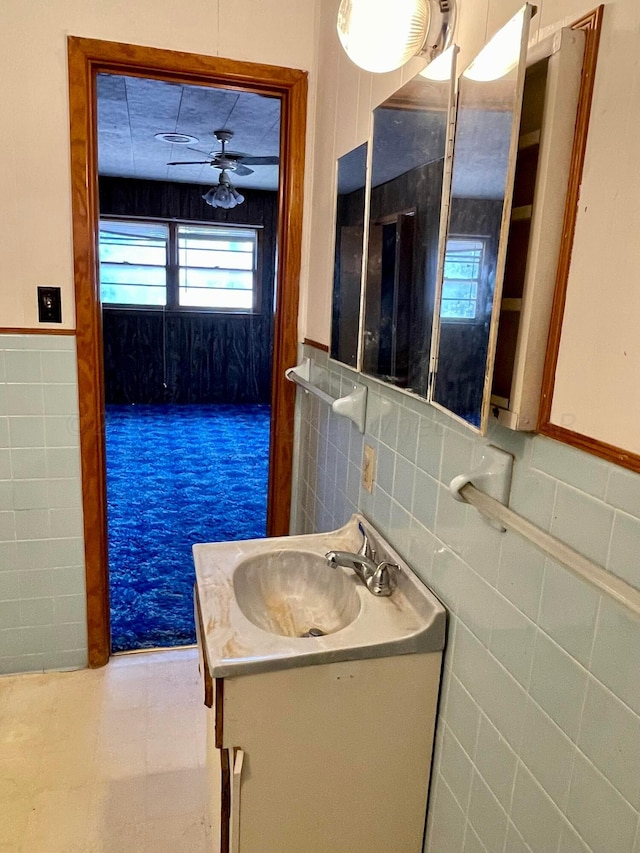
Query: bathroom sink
{"x": 295, "y": 594}
{"x": 273, "y": 604}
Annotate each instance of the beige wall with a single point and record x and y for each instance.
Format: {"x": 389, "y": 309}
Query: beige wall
{"x": 35, "y": 206}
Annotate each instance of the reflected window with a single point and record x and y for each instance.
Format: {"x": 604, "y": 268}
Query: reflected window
{"x": 462, "y": 273}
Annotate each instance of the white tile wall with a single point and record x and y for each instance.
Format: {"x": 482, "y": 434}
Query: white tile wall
{"x": 42, "y": 585}
{"x": 538, "y": 742}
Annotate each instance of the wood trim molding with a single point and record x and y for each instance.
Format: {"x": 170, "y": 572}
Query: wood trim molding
{"x": 44, "y": 331}
{"x": 308, "y": 342}
{"x": 87, "y": 58}
{"x": 594, "y": 446}
{"x": 285, "y": 343}
{"x": 591, "y": 24}
{"x": 84, "y": 201}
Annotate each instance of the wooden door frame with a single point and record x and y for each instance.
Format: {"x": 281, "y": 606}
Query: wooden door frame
{"x": 87, "y": 58}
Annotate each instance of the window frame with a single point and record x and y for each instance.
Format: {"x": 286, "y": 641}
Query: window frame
{"x": 172, "y": 266}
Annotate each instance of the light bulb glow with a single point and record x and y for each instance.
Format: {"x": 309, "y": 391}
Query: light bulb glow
{"x": 380, "y": 38}
{"x": 442, "y": 66}
{"x": 501, "y": 54}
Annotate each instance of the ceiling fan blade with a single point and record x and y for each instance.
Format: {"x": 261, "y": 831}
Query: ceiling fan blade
{"x": 190, "y": 163}
{"x": 200, "y": 151}
{"x": 240, "y": 169}
{"x": 261, "y": 161}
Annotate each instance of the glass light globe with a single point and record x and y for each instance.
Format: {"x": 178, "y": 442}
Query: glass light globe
{"x": 381, "y": 36}
{"x": 441, "y": 68}
{"x": 501, "y": 54}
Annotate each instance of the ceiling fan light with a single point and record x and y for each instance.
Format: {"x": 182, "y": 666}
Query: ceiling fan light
{"x": 210, "y": 197}
{"x": 223, "y": 194}
{"x": 379, "y": 37}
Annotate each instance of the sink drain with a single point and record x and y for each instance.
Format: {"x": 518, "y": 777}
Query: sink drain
{"x": 313, "y": 632}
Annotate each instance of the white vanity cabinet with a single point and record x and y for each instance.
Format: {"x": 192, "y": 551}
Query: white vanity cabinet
{"x": 332, "y": 758}
{"x": 317, "y": 742}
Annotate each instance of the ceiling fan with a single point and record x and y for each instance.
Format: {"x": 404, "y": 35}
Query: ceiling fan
{"x": 228, "y": 161}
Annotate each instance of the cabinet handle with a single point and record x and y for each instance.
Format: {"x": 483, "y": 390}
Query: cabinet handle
{"x": 238, "y": 758}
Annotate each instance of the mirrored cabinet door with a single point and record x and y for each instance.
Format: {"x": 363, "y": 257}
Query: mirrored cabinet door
{"x": 347, "y": 278}
{"x": 485, "y": 144}
{"x": 408, "y": 155}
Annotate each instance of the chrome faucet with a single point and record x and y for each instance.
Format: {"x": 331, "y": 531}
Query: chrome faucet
{"x": 375, "y": 576}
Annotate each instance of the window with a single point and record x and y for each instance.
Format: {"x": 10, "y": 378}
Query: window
{"x": 133, "y": 262}
{"x": 217, "y": 267}
{"x": 178, "y": 265}
{"x": 462, "y": 272}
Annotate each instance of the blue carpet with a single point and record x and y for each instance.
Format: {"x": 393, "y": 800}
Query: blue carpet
{"x": 176, "y": 475}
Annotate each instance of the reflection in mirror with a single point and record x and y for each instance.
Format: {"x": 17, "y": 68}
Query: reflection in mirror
{"x": 409, "y": 146}
{"x": 347, "y": 276}
{"x": 485, "y": 144}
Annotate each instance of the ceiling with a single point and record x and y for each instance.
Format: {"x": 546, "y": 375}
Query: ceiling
{"x": 131, "y": 110}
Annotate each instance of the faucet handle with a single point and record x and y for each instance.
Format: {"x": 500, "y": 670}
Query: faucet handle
{"x": 381, "y": 580}
{"x": 365, "y": 549}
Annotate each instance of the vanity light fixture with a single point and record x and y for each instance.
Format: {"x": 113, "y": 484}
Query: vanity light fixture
{"x": 501, "y": 54}
{"x": 223, "y": 194}
{"x": 378, "y": 36}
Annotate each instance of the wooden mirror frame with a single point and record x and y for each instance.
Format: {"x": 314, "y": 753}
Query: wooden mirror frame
{"x": 591, "y": 24}
{"x": 87, "y": 58}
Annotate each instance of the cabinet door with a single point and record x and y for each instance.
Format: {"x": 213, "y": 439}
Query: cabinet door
{"x": 543, "y": 171}
{"x": 321, "y": 744}
{"x": 485, "y": 144}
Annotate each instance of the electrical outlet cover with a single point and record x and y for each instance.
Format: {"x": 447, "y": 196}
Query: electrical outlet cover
{"x": 368, "y": 467}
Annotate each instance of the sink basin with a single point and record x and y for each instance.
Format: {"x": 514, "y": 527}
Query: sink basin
{"x": 295, "y": 594}
{"x": 274, "y": 604}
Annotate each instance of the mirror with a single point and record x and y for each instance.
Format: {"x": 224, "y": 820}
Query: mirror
{"x": 347, "y": 275}
{"x": 485, "y": 145}
{"x": 408, "y": 156}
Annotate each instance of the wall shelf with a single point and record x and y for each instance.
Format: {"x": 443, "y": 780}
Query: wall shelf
{"x": 529, "y": 140}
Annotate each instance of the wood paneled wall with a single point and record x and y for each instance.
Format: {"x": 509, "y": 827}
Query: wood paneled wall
{"x": 155, "y": 356}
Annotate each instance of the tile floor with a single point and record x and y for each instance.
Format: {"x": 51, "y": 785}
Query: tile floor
{"x": 106, "y": 761}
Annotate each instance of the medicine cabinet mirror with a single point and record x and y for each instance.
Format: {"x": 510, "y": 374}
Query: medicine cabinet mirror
{"x": 590, "y": 398}
{"x": 408, "y": 157}
{"x": 484, "y": 155}
{"x": 349, "y": 245}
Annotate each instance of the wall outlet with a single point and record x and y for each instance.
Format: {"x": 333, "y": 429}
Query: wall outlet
{"x": 368, "y": 467}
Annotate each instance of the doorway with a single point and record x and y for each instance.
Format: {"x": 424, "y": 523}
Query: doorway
{"x": 87, "y": 59}
{"x": 188, "y": 179}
